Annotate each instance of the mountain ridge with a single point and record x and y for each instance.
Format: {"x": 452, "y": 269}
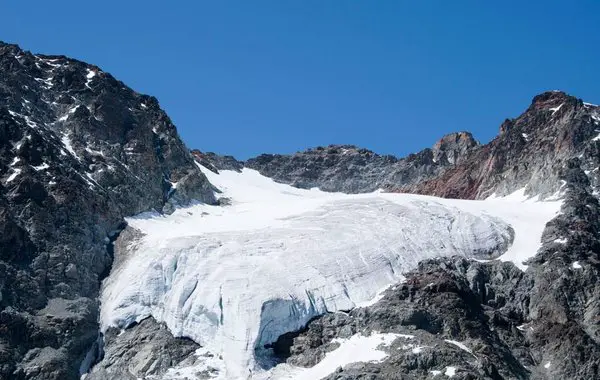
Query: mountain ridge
{"x": 80, "y": 151}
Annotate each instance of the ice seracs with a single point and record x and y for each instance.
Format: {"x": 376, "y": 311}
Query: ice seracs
{"x": 235, "y": 278}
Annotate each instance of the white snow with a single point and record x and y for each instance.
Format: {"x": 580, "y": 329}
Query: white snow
{"x": 234, "y": 278}
{"x": 547, "y": 365}
{"x": 525, "y": 326}
{"x": 435, "y": 372}
{"x": 555, "y": 109}
{"x": 576, "y": 265}
{"x": 66, "y": 116}
{"x": 15, "y": 161}
{"x": 450, "y": 371}
{"x": 357, "y": 348}
{"x": 43, "y": 166}
{"x": 525, "y": 136}
{"x": 561, "y": 240}
{"x": 14, "y": 175}
{"x": 68, "y": 145}
{"x": 89, "y": 76}
{"x": 377, "y": 298}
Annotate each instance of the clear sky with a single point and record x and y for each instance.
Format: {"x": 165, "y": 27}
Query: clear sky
{"x": 247, "y": 77}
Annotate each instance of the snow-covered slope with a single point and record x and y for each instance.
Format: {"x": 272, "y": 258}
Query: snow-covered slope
{"x": 234, "y": 278}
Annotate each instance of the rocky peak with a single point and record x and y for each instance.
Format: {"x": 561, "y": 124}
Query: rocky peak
{"x": 453, "y": 147}
{"x": 551, "y": 99}
{"x": 529, "y": 152}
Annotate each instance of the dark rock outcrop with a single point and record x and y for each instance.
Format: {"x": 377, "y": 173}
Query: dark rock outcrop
{"x": 350, "y": 169}
{"x": 78, "y": 151}
{"x": 215, "y": 162}
{"x": 145, "y": 349}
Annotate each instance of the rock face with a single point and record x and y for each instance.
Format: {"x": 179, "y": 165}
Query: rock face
{"x": 349, "y": 169}
{"x": 529, "y": 152}
{"x": 146, "y": 349}
{"x": 485, "y": 320}
{"x": 78, "y": 151}
{"x": 215, "y": 162}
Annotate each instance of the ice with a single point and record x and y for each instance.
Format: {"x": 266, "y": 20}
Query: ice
{"x": 450, "y": 371}
{"x": 234, "y": 278}
{"x": 576, "y": 265}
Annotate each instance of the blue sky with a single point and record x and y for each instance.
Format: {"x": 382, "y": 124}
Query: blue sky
{"x": 247, "y": 77}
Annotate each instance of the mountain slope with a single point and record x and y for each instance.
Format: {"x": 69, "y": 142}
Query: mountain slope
{"x": 235, "y": 278}
{"x": 78, "y": 152}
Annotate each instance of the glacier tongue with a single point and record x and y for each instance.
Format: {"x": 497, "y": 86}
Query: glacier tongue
{"x": 234, "y": 278}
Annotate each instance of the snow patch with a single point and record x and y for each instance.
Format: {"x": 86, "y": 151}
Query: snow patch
{"x": 13, "y": 175}
{"x": 43, "y": 166}
{"x": 561, "y": 240}
{"x": 556, "y": 109}
{"x": 358, "y": 348}
{"x": 450, "y": 371}
{"x": 576, "y": 265}
{"x": 547, "y": 365}
{"x": 459, "y": 345}
{"x": 68, "y": 145}
{"x": 377, "y": 298}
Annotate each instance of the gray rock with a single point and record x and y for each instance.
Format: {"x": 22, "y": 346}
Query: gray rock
{"x": 144, "y": 350}
{"x": 78, "y": 152}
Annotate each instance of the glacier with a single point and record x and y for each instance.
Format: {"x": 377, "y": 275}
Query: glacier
{"x": 234, "y": 278}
